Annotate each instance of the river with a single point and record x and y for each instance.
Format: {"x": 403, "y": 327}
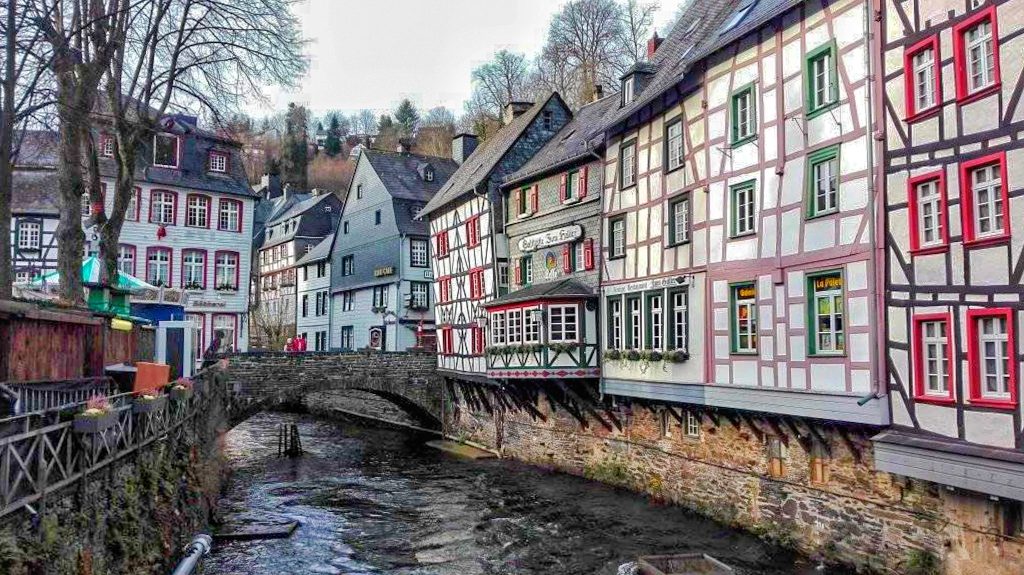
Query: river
{"x": 373, "y": 500}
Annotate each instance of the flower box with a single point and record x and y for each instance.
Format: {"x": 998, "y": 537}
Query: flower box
{"x": 87, "y": 422}
{"x": 147, "y": 404}
{"x": 181, "y": 393}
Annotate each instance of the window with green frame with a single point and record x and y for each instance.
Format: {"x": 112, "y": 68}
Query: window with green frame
{"x": 655, "y": 333}
{"x": 827, "y": 316}
{"x": 743, "y": 313}
{"x": 743, "y": 111}
{"x": 679, "y": 220}
{"x": 823, "y": 182}
{"x": 742, "y": 209}
{"x": 571, "y": 184}
{"x": 633, "y": 316}
{"x": 821, "y": 82}
{"x": 526, "y": 264}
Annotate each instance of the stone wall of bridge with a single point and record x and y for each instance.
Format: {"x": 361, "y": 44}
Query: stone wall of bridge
{"x": 407, "y": 379}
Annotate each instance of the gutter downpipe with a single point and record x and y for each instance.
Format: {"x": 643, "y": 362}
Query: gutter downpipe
{"x": 194, "y": 553}
{"x": 876, "y": 183}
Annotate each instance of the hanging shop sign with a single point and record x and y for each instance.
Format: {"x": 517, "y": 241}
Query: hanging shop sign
{"x": 376, "y": 337}
{"x": 550, "y": 238}
{"x": 659, "y": 283}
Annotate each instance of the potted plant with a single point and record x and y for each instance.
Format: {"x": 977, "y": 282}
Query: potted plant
{"x": 97, "y": 417}
{"x": 227, "y": 287}
{"x": 676, "y": 356}
{"x": 194, "y": 286}
{"x": 149, "y": 402}
{"x": 633, "y": 355}
{"x": 181, "y": 389}
{"x": 650, "y": 355}
{"x": 613, "y": 354}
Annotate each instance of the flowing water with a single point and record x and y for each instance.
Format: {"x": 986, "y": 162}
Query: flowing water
{"x": 372, "y": 500}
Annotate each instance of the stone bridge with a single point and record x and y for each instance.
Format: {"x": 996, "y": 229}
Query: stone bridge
{"x": 407, "y": 379}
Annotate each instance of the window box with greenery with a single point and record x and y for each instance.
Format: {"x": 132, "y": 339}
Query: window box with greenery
{"x": 231, "y": 287}
{"x": 742, "y": 208}
{"x": 826, "y": 314}
{"x": 823, "y": 182}
{"x": 181, "y": 390}
{"x": 676, "y": 355}
{"x": 149, "y": 403}
{"x": 564, "y": 347}
{"x": 743, "y": 116}
{"x": 613, "y": 354}
{"x": 821, "y": 81}
{"x": 97, "y": 417}
{"x": 194, "y": 286}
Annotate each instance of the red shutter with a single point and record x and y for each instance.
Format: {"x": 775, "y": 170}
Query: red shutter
{"x": 588, "y": 253}
{"x": 562, "y": 187}
{"x": 519, "y": 273}
{"x": 567, "y": 258}
{"x": 583, "y": 182}
{"x": 469, "y": 233}
{"x": 535, "y": 199}
{"x": 518, "y": 202}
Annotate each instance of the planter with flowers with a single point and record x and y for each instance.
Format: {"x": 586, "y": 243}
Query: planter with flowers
{"x": 149, "y": 403}
{"x": 227, "y": 287}
{"x": 181, "y": 389}
{"x": 97, "y": 417}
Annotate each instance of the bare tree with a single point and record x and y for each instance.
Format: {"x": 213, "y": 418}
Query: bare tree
{"x": 24, "y": 93}
{"x": 200, "y": 55}
{"x": 364, "y": 122}
{"x": 587, "y": 34}
{"x": 439, "y": 116}
{"x": 272, "y": 327}
{"x": 637, "y": 24}
{"x": 500, "y": 81}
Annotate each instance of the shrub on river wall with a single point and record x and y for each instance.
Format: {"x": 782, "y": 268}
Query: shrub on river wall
{"x": 612, "y": 471}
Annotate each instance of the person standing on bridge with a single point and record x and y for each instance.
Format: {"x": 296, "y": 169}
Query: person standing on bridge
{"x": 210, "y": 355}
{"x": 289, "y": 345}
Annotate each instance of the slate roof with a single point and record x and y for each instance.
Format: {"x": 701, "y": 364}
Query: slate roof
{"x": 479, "y": 164}
{"x": 34, "y": 192}
{"x": 568, "y": 287}
{"x": 682, "y": 47}
{"x": 321, "y": 251}
{"x": 576, "y": 140}
{"x": 300, "y": 206}
{"x": 36, "y": 149}
{"x": 402, "y": 174}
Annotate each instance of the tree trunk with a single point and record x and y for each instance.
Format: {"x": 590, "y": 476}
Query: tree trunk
{"x": 70, "y": 238}
{"x": 6, "y": 153}
{"x": 124, "y": 190}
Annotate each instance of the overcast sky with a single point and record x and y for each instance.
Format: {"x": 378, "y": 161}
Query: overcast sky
{"x": 372, "y": 53}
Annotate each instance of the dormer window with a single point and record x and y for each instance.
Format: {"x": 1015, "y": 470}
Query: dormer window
{"x": 428, "y": 174}
{"x": 218, "y": 162}
{"x": 628, "y": 89}
{"x": 165, "y": 150}
{"x": 106, "y": 146}
{"x": 741, "y": 12}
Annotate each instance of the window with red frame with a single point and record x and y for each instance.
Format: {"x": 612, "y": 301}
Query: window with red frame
{"x": 197, "y": 213}
{"x": 478, "y": 341}
{"x": 162, "y": 207}
{"x": 473, "y": 231}
{"x": 476, "y": 284}
{"x": 229, "y": 218}
{"x": 132, "y": 213}
{"x": 933, "y": 358}
{"x": 106, "y": 145}
{"x": 445, "y": 289}
{"x": 922, "y": 75}
{"x": 193, "y": 269}
{"x": 218, "y": 162}
{"x": 928, "y": 211}
{"x": 976, "y": 55}
{"x": 442, "y": 244}
{"x": 992, "y": 357}
{"x": 446, "y": 340}
{"x": 984, "y": 199}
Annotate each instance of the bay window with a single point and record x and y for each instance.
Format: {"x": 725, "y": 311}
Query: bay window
{"x": 498, "y": 328}
{"x": 562, "y": 323}
{"x": 531, "y": 328}
{"x": 514, "y": 319}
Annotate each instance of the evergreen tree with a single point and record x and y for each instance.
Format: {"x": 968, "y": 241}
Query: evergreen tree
{"x": 407, "y": 117}
{"x": 295, "y": 148}
{"x": 332, "y": 146}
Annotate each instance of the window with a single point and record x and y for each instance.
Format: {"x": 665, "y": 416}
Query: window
{"x": 615, "y": 323}
{"x": 132, "y": 213}
{"x": 324, "y": 300}
{"x": 346, "y": 338}
{"x": 744, "y": 115}
{"x": 531, "y": 328}
{"x": 197, "y": 214}
{"x": 442, "y": 244}
{"x": 514, "y": 318}
{"x": 655, "y": 321}
{"x": 922, "y": 84}
{"x": 819, "y": 472}
{"x": 473, "y": 231}
{"x": 445, "y": 343}
{"x": 933, "y": 362}
{"x": 344, "y": 228}
{"x": 86, "y": 207}
{"x": 321, "y": 341}
{"x": 617, "y": 239}
{"x": 744, "y": 318}
{"x": 376, "y": 218}
{"x": 165, "y": 150}
{"x": 1011, "y": 518}
{"x": 976, "y": 55}
{"x": 126, "y": 259}
{"x": 428, "y": 175}
{"x": 29, "y": 235}
{"x": 523, "y": 201}
{"x": 380, "y": 296}
{"x": 627, "y": 165}
{"x": 218, "y": 162}
{"x": 229, "y": 218}
{"x": 503, "y": 274}
{"x": 227, "y": 325}
{"x": 926, "y": 201}
{"x": 991, "y": 357}
{"x": 498, "y": 328}
{"x": 305, "y": 305}
{"x": 226, "y": 271}
{"x": 444, "y": 288}
{"x": 348, "y": 298}
{"x": 158, "y": 267}
{"x": 420, "y": 295}
{"x": 821, "y": 80}
{"x": 321, "y": 269}
{"x": 546, "y": 119}
{"x": 679, "y": 220}
{"x": 628, "y": 89}
{"x": 742, "y": 209}
{"x": 479, "y": 341}
{"x": 633, "y": 322}
{"x": 776, "y": 457}
{"x": 985, "y": 199}
{"x": 823, "y": 182}
{"x": 578, "y": 256}
{"x": 828, "y": 324}
{"x": 347, "y": 265}
{"x": 692, "y": 424}
{"x": 674, "y": 145}
{"x": 305, "y": 273}
{"x": 741, "y": 12}
{"x": 106, "y": 145}
{"x": 359, "y": 191}
{"x": 525, "y": 271}
{"x": 193, "y": 269}
{"x": 418, "y": 253}
{"x": 476, "y": 284}
{"x": 678, "y": 314}
{"x": 199, "y": 321}
{"x": 562, "y": 323}
{"x": 163, "y": 207}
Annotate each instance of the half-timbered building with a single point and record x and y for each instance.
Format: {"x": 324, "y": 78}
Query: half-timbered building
{"x": 954, "y": 171}
{"x": 34, "y": 210}
{"x": 545, "y": 326}
{"x": 470, "y": 259}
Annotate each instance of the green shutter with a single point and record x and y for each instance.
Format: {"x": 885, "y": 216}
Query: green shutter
{"x": 735, "y": 139}
{"x": 813, "y": 159}
{"x": 827, "y": 49}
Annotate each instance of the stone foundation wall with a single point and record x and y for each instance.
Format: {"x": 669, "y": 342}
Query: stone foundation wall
{"x": 870, "y": 519}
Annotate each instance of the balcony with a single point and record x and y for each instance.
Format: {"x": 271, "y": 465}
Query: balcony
{"x": 538, "y": 361}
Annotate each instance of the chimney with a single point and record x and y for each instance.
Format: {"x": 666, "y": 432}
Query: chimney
{"x": 287, "y": 191}
{"x": 515, "y": 109}
{"x": 598, "y": 92}
{"x": 271, "y": 184}
{"x": 462, "y": 147}
{"x": 652, "y": 45}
